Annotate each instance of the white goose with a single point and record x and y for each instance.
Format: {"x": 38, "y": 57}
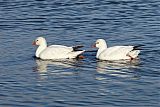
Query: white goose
{"x": 115, "y": 52}
{"x": 55, "y": 51}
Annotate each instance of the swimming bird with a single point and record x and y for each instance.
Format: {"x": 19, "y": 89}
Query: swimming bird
{"x": 115, "y": 52}
{"x": 55, "y": 51}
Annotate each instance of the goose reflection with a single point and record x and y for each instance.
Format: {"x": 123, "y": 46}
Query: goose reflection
{"x": 122, "y": 68}
{"x": 42, "y": 65}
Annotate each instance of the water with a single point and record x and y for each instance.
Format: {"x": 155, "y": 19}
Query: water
{"x": 29, "y": 82}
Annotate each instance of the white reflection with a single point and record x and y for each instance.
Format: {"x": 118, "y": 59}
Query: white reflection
{"x": 116, "y": 68}
{"x": 42, "y": 65}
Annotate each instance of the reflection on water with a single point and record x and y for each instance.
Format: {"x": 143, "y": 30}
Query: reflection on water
{"x": 42, "y": 65}
{"x": 55, "y": 68}
{"x": 124, "y": 68}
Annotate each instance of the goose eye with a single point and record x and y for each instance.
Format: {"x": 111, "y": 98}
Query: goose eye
{"x": 97, "y": 43}
{"x": 36, "y": 40}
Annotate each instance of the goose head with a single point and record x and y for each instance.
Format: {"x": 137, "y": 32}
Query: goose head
{"x": 39, "y": 41}
{"x": 100, "y": 43}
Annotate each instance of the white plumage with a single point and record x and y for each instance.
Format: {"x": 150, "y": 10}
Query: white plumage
{"x": 115, "y": 52}
{"x": 54, "y": 51}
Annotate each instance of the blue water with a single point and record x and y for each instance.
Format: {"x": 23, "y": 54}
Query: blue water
{"x": 29, "y": 82}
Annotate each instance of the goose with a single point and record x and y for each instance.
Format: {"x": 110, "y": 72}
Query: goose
{"x": 55, "y": 51}
{"x": 115, "y": 52}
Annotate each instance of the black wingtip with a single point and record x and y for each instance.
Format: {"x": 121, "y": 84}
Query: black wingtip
{"x": 75, "y": 48}
{"x": 138, "y": 47}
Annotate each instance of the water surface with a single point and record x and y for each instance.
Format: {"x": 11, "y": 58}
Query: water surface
{"x": 29, "y": 82}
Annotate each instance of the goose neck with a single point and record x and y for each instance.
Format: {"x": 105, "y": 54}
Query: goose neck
{"x": 40, "y": 49}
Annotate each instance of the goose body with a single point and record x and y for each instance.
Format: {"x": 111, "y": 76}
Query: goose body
{"x": 54, "y": 51}
{"x": 115, "y": 52}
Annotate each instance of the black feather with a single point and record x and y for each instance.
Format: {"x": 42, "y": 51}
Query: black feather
{"x": 76, "y": 48}
{"x": 138, "y": 47}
